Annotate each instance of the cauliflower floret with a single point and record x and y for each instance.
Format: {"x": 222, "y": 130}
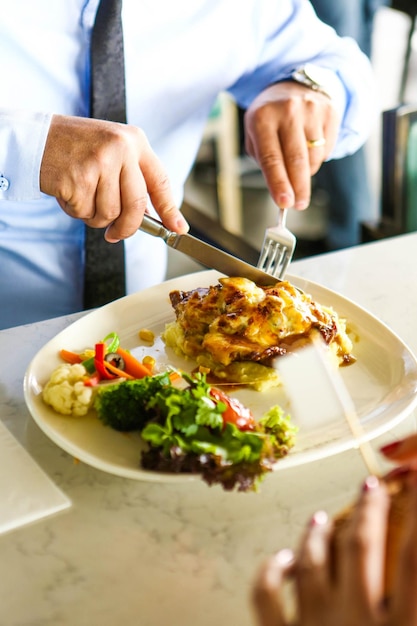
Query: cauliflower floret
{"x": 65, "y": 391}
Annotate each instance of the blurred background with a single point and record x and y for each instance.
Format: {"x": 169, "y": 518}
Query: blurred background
{"x": 225, "y": 195}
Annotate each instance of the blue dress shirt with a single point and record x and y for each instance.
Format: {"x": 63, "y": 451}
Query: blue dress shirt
{"x": 179, "y": 56}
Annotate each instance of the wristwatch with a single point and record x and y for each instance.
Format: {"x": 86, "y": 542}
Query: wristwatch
{"x": 313, "y": 77}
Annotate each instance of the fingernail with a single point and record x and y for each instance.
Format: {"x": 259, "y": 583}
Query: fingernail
{"x": 300, "y": 205}
{"x": 370, "y": 483}
{"x": 285, "y": 556}
{"x": 319, "y": 518}
{"x": 390, "y": 448}
{"x": 182, "y": 224}
{"x": 285, "y": 200}
{"x": 108, "y": 237}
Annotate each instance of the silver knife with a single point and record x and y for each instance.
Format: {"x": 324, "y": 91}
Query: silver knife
{"x": 206, "y": 254}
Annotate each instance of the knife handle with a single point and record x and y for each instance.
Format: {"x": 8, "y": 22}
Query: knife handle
{"x": 154, "y": 227}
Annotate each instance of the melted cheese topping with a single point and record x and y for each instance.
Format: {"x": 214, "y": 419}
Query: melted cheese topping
{"x": 238, "y": 321}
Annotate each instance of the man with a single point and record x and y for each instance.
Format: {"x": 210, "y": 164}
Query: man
{"x": 57, "y": 165}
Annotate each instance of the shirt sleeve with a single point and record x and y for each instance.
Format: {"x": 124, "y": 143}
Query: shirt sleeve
{"x": 299, "y": 37}
{"x": 22, "y": 142}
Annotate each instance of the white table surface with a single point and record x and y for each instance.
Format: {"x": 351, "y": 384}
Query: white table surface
{"x": 137, "y": 553}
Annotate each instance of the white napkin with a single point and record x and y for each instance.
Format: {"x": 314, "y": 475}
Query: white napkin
{"x": 27, "y": 494}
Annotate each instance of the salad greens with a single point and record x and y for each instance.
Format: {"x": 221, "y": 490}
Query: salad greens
{"x": 196, "y": 428}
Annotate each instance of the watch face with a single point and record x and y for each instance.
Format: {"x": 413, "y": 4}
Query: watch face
{"x": 312, "y": 76}
{"x": 315, "y": 74}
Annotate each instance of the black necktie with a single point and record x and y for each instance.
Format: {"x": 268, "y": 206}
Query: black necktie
{"x": 104, "y": 276}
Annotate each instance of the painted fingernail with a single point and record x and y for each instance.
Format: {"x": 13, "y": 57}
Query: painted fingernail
{"x": 285, "y": 557}
{"x": 390, "y": 448}
{"x": 370, "y": 483}
{"x": 319, "y": 518}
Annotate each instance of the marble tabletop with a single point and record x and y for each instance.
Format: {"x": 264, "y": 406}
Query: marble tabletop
{"x": 138, "y": 553}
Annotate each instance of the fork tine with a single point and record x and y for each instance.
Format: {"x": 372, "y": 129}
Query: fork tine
{"x": 265, "y": 254}
{"x": 284, "y": 263}
{"x": 276, "y": 260}
{"x": 276, "y": 255}
{"x": 278, "y": 248}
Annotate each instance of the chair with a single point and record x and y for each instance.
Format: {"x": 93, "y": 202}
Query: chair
{"x": 222, "y": 128}
{"x": 399, "y": 175}
{"x": 225, "y": 229}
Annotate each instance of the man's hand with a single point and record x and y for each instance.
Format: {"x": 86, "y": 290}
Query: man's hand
{"x": 278, "y": 126}
{"x": 102, "y": 172}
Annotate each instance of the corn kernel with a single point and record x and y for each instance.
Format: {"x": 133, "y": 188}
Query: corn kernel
{"x": 87, "y": 354}
{"x": 149, "y": 361}
{"x": 147, "y": 335}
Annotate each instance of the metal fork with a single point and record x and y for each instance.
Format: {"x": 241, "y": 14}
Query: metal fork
{"x": 278, "y": 248}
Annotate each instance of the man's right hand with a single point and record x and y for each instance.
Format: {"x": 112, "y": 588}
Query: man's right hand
{"x": 102, "y": 172}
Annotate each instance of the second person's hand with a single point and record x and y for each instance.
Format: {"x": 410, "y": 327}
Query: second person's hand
{"x": 102, "y": 172}
{"x": 340, "y": 580}
{"x": 402, "y": 451}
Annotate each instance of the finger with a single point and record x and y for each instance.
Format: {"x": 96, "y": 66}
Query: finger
{"x": 399, "y": 473}
{"x": 315, "y": 136}
{"x": 403, "y": 450}
{"x": 313, "y": 570}
{"x": 322, "y": 124}
{"x": 361, "y": 553}
{"x": 160, "y": 193}
{"x": 107, "y": 204}
{"x": 142, "y": 176}
{"x": 133, "y": 199}
{"x": 297, "y": 161}
{"x": 331, "y": 127}
{"x": 266, "y": 595}
{"x": 316, "y": 145}
{"x": 263, "y": 145}
{"x": 403, "y": 603}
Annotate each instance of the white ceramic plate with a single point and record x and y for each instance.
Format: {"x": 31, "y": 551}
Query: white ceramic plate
{"x": 382, "y": 383}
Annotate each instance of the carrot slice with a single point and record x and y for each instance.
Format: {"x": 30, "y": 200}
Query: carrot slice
{"x": 70, "y": 357}
{"x": 117, "y": 372}
{"x": 175, "y": 377}
{"x": 132, "y": 366}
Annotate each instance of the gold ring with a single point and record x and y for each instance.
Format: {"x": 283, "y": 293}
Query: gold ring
{"x": 316, "y": 143}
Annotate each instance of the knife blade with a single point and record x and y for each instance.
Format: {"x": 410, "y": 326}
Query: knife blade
{"x": 206, "y": 254}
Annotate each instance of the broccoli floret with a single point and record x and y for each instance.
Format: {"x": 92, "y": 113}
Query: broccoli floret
{"x": 124, "y": 406}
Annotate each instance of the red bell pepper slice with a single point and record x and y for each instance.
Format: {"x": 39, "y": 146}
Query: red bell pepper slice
{"x": 93, "y": 380}
{"x": 99, "y": 361}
